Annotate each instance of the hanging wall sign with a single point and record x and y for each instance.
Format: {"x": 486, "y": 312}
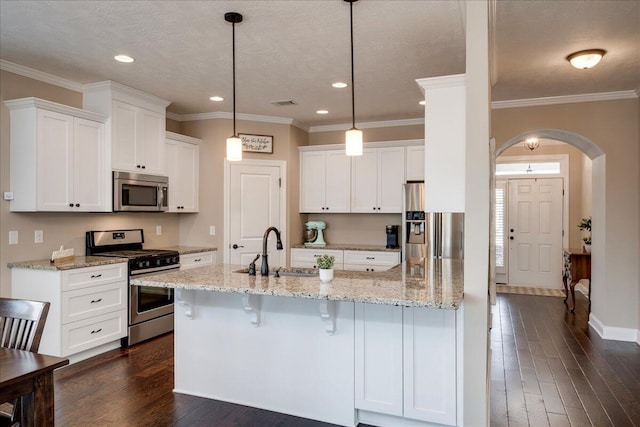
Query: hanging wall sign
{"x": 257, "y": 143}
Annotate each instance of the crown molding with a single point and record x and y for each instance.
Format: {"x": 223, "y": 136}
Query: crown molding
{"x": 123, "y": 92}
{"x": 566, "y": 99}
{"x": 375, "y": 144}
{"x": 368, "y": 125}
{"x": 54, "y": 106}
{"x": 40, "y": 76}
{"x": 440, "y": 82}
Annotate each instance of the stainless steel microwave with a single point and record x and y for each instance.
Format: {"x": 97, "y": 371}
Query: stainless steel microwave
{"x": 135, "y": 192}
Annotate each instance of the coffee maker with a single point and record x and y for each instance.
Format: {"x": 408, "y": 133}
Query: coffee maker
{"x": 313, "y": 233}
{"x": 392, "y": 236}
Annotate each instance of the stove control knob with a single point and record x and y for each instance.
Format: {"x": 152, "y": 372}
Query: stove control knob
{"x": 141, "y": 264}
{"x": 158, "y": 262}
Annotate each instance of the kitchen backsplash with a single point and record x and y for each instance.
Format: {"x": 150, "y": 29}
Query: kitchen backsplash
{"x": 362, "y": 229}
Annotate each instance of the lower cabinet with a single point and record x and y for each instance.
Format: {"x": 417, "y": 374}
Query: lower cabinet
{"x": 346, "y": 259}
{"x": 199, "y": 259}
{"x": 306, "y": 258}
{"x": 88, "y": 305}
{"x": 405, "y": 363}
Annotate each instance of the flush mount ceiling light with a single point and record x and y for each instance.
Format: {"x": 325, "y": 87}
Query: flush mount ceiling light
{"x": 339, "y": 85}
{"x": 586, "y": 58}
{"x": 353, "y": 137}
{"x": 322, "y": 112}
{"x": 124, "y": 58}
{"x": 234, "y": 143}
{"x": 532, "y": 143}
{"x": 216, "y": 98}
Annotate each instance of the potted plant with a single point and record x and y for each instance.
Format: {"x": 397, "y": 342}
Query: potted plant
{"x": 325, "y": 264}
{"x": 585, "y": 225}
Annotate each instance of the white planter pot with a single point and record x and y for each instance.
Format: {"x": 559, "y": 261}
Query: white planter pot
{"x": 326, "y": 275}
{"x": 587, "y": 248}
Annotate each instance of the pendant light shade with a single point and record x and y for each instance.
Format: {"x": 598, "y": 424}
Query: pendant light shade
{"x": 234, "y": 143}
{"x": 532, "y": 143}
{"x": 353, "y": 138}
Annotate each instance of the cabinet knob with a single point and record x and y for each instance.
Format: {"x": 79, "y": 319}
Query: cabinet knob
{"x": 374, "y": 208}
{"x": 323, "y": 208}
{"x": 378, "y": 208}
{"x": 138, "y": 166}
{"x": 70, "y": 205}
{"x": 77, "y": 205}
{"x": 511, "y": 238}
{"x": 327, "y": 207}
{"x": 144, "y": 167}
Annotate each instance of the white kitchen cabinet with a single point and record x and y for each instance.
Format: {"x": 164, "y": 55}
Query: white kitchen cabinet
{"x": 183, "y": 169}
{"x": 405, "y": 364}
{"x": 307, "y": 257}
{"x": 414, "y": 163}
{"x": 58, "y": 158}
{"x": 376, "y": 180}
{"x": 324, "y": 182}
{"x": 138, "y": 122}
{"x": 88, "y": 306}
{"x": 370, "y": 260}
{"x": 199, "y": 259}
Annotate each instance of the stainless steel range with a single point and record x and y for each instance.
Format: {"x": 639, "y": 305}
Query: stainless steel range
{"x": 150, "y": 309}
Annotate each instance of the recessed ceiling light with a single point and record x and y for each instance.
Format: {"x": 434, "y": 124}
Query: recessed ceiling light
{"x": 339, "y": 85}
{"x": 123, "y": 58}
{"x": 423, "y": 102}
{"x": 322, "y": 112}
{"x": 586, "y": 58}
{"x": 216, "y": 98}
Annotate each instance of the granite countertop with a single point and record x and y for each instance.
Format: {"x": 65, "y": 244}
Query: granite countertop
{"x": 77, "y": 262}
{"x": 430, "y": 283}
{"x": 348, "y": 247}
{"x": 184, "y": 250}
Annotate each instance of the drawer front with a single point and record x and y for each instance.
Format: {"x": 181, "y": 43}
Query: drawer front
{"x": 84, "y": 303}
{"x": 372, "y": 258}
{"x": 85, "y": 334}
{"x": 365, "y": 267}
{"x": 93, "y": 276}
{"x": 310, "y": 255}
{"x": 196, "y": 260}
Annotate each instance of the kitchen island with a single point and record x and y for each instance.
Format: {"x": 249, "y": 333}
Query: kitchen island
{"x": 379, "y": 348}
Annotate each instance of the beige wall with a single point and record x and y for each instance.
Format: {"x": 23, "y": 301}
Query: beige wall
{"x": 613, "y": 126}
{"x": 66, "y": 229}
{"x": 394, "y": 133}
{"x": 577, "y": 178}
{"x": 173, "y": 126}
{"x": 364, "y": 229}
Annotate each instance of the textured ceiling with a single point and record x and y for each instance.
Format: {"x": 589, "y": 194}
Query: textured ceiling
{"x": 296, "y": 49}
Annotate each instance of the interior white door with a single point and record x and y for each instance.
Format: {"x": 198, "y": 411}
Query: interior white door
{"x": 535, "y": 232}
{"x": 254, "y": 206}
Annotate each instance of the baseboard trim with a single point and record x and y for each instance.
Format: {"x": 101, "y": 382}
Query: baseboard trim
{"x": 613, "y": 333}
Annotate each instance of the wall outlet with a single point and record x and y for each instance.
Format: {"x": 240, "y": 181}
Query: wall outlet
{"x": 158, "y": 230}
{"x": 13, "y": 237}
{"x": 38, "y": 236}
{"x": 212, "y": 230}
{"x": 8, "y": 195}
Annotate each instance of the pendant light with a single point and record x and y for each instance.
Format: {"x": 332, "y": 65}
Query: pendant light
{"x": 234, "y": 143}
{"x": 353, "y": 138}
{"x": 532, "y": 143}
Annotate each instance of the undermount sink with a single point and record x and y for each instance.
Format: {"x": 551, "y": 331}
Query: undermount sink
{"x": 293, "y": 272}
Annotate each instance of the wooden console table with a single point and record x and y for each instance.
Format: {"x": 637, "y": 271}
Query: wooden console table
{"x": 577, "y": 265}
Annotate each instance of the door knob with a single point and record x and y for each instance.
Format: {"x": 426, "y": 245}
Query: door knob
{"x": 236, "y": 246}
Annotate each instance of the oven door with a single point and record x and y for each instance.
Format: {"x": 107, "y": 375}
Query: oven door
{"x": 147, "y": 303}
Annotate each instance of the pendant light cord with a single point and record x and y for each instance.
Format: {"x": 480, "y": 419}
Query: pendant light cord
{"x": 233, "y": 30}
{"x": 353, "y": 89}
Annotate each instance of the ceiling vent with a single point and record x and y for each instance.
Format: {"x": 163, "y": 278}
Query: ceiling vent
{"x": 284, "y": 103}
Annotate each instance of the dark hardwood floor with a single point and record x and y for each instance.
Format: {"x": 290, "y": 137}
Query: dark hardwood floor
{"x": 548, "y": 369}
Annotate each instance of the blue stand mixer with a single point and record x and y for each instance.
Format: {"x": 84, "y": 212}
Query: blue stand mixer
{"x": 313, "y": 233}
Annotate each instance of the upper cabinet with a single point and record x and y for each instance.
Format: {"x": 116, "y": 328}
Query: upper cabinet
{"x": 376, "y": 180}
{"x": 324, "y": 181}
{"x": 183, "y": 166}
{"x": 414, "y": 163}
{"x": 137, "y": 126}
{"x": 58, "y": 158}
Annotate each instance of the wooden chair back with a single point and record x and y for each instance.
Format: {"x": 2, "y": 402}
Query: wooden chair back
{"x": 22, "y": 323}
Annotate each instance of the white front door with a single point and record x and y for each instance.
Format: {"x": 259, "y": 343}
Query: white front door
{"x": 254, "y": 206}
{"x": 535, "y": 232}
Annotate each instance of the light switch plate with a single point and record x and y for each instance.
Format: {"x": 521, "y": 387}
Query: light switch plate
{"x": 13, "y": 237}
{"x": 158, "y": 230}
{"x": 212, "y": 230}
{"x": 38, "y": 236}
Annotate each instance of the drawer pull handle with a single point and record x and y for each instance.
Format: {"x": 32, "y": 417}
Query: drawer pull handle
{"x": 197, "y": 260}
{"x": 96, "y": 331}
{"x": 93, "y": 301}
{"x": 371, "y": 257}
{"x": 96, "y": 276}
{"x": 317, "y": 256}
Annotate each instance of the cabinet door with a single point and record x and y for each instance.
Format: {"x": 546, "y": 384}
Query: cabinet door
{"x": 430, "y": 365}
{"x": 123, "y": 136}
{"x": 312, "y": 181}
{"x": 172, "y": 151}
{"x": 390, "y": 179}
{"x": 414, "y": 163}
{"x": 338, "y": 180}
{"x": 364, "y": 182}
{"x": 55, "y": 161}
{"x": 90, "y": 176}
{"x": 378, "y": 358}
{"x": 150, "y": 141}
{"x": 189, "y": 184}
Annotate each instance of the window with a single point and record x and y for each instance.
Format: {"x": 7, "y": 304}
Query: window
{"x": 500, "y": 262}
{"x": 524, "y": 168}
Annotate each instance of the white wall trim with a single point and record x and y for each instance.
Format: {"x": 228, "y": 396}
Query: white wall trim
{"x": 124, "y": 93}
{"x": 380, "y": 144}
{"x": 40, "y": 76}
{"x": 54, "y": 106}
{"x": 182, "y": 138}
{"x": 368, "y": 125}
{"x": 565, "y": 99}
{"x": 440, "y": 82}
{"x": 613, "y": 333}
{"x": 239, "y": 116}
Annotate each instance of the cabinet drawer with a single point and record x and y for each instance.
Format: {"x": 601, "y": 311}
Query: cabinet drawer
{"x": 371, "y": 258}
{"x": 365, "y": 267}
{"x": 93, "y": 276}
{"x": 85, "y": 334}
{"x": 196, "y": 260}
{"x": 84, "y": 303}
{"x": 310, "y": 255}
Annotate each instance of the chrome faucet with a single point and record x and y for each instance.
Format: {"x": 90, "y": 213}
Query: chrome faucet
{"x": 264, "y": 268}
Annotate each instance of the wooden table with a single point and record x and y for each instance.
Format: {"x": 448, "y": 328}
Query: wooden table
{"x": 577, "y": 266}
{"x": 29, "y": 376}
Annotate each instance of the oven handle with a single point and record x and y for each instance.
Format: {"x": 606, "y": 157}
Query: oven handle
{"x": 150, "y": 271}
{"x": 160, "y": 197}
